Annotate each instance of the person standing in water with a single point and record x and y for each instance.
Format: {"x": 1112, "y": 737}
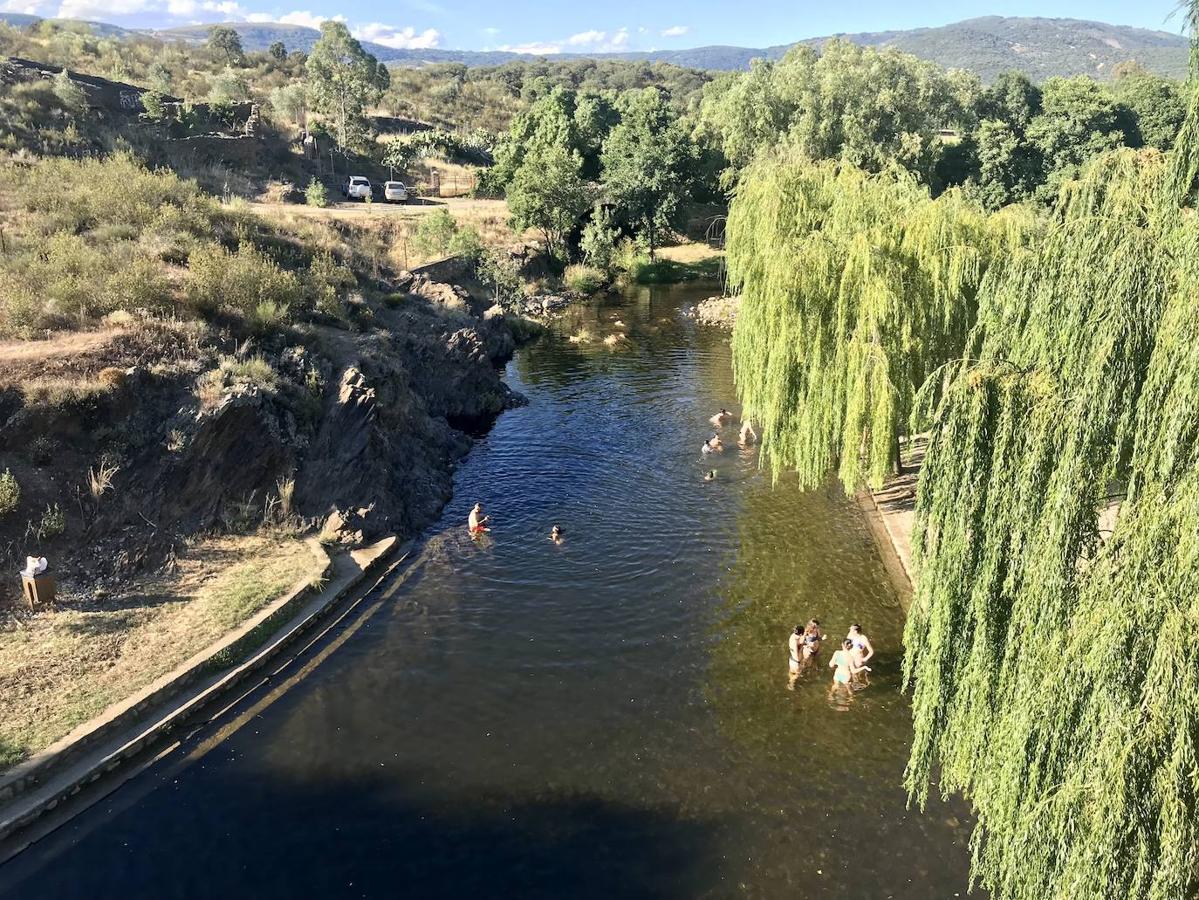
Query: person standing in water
{"x": 748, "y": 437}
{"x": 794, "y": 652}
{"x": 844, "y": 666}
{"x": 556, "y": 534}
{"x": 713, "y": 445}
{"x": 721, "y": 418}
{"x": 862, "y": 651}
{"x": 476, "y": 521}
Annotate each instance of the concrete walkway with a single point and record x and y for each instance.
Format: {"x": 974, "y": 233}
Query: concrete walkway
{"x": 891, "y": 515}
{"x": 129, "y": 728}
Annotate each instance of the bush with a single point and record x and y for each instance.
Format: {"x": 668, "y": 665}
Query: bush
{"x": 599, "y": 240}
{"x": 583, "y": 279}
{"x": 438, "y": 234}
{"x": 316, "y": 195}
{"x": 52, "y": 524}
{"x": 231, "y": 372}
{"x": 10, "y": 492}
{"x": 246, "y": 283}
{"x": 328, "y": 281}
{"x": 154, "y": 105}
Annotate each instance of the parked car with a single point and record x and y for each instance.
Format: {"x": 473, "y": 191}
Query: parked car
{"x": 395, "y": 192}
{"x": 356, "y": 188}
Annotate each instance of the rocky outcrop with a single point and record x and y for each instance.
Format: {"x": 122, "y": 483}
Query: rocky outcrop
{"x": 362, "y": 425}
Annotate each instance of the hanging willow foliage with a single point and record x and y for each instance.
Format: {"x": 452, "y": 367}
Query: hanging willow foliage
{"x": 1055, "y": 673}
{"x": 854, "y": 288}
{"x": 1054, "y": 666}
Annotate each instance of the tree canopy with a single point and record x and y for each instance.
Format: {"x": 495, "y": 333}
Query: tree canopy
{"x": 1053, "y": 681}
{"x": 342, "y": 80}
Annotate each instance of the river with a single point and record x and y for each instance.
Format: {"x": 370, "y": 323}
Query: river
{"x": 606, "y": 717}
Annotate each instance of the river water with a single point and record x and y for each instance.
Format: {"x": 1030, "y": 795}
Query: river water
{"x": 605, "y": 718}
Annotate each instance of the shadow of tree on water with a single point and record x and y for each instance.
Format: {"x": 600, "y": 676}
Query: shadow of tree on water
{"x": 215, "y": 837}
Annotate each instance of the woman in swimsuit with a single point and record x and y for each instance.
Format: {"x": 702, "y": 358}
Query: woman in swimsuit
{"x": 862, "y": 650}
{"x": 843, "y": 665}
{"x": 811, "y": 639}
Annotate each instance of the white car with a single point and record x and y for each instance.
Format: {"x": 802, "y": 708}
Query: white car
{"x": 356, "y": 188}
{"x": 395, "y": 192}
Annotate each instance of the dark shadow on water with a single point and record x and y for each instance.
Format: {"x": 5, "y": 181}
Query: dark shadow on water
{"x": 365, "y": 838}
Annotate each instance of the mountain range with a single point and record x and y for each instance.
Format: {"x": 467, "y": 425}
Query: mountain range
{"x": 1041, "y": 48}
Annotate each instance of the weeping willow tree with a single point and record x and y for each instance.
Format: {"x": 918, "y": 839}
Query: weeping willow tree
{"x": 855, "y": 288}
{"x": 1054, "y": 668}
{"x": 1052, "y": 656}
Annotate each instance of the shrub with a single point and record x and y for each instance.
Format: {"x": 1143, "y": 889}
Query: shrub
{"x": 10, "y": 492}
{"x": 154, "y": 105}
{"x": 434, "y": 233}
{"x": 231, "y": 372}
{"x": 327, "y": 281}
{"x": 599, "y": 240}
{"x": 239, "y": 283}
{"x": 52, "y": 524}
{"x": 315, "y": 194}
{"x": 66, "y": 90}
{"x": 583, "y": 279}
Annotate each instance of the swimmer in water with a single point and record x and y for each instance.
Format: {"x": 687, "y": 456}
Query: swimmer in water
{"x": 721, "y": 418}
{"x": 862, "y": 651}
{"x": 476, "y": 521}
{"x": 844, "y": 666}
{"x": 794, "y": 652}
{"x": 710, "y": 475}
{"x": 748, "y": 437}
{"x": 713, "y": 445}
{"x": 556, "y": 534}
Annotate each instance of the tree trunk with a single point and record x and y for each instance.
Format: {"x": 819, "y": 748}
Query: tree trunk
{"x": 898, "y": 456}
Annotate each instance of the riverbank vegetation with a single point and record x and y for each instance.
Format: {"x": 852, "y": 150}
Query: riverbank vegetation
{"x": 1048, "y": 351}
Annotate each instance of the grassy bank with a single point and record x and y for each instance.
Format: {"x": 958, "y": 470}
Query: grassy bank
{"x": 64, "y": 665}
{"x": 684, "y": 262}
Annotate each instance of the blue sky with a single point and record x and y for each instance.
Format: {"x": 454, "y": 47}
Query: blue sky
{"x": 548, "y": 26}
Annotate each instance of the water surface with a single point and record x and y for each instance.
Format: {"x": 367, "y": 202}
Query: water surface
{"x": 608, "y": 717}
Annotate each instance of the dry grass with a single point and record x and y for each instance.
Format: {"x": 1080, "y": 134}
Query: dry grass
{"x": 392, "y": 226}
{"x": 689, "y": 253}
{"x": 62, "y": 666}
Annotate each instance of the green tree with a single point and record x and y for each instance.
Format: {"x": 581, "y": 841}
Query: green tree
{"x": 1155, "y": 105}
{"x": 1078, "y": 120}
{"x": 647, "y": 162}
{"x": 225, "y": 44}
{"x": 1011, "y": 98}
{"x": 227, "y": 88}
{"x": 548, "y": 193}
{"x": 1010, "y": 167}
{"x": 343, "y": 79}
{"x": 277, "y": 51}
{"x": 290, "y": 102}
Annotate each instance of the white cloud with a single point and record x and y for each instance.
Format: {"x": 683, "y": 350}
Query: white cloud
{"x": 535, "y": 48}
{"x": 586, "y": 38}
{"x": 85, "y": 9}
{"x": 620, "y": 38}
{"x": 307, "y": 19}
{"x": 399, "y": 38}
{"x": 28, "y": 7}
{"x": 675, "y": 31}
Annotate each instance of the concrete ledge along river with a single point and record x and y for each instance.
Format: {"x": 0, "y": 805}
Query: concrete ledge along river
{"x": 609, "y": 717}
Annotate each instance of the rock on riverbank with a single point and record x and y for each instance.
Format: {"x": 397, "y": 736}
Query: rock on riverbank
{"x": 720, "y": 311}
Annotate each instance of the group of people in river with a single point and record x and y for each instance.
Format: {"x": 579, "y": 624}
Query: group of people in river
{"x": 746, "y": 438}
{"x": 479, "y": 524}
{"x": 848, "y": 662}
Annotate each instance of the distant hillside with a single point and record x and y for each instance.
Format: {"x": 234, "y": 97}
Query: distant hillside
{"x": 989, "y": 45}
{"x": 1041, "y": 48}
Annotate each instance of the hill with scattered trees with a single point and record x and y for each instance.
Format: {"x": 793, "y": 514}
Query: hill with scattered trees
{"x": 1041, "y": 48}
